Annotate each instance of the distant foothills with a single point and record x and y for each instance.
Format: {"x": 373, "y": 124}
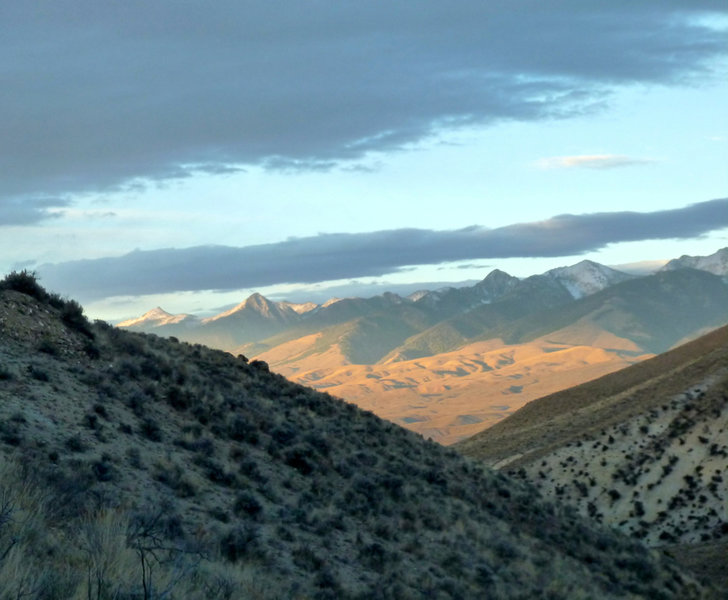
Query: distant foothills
{"x": 450, "y": 362}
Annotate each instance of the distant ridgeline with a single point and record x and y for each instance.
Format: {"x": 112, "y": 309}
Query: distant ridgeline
{"x": 376, "y": 329}
{"x": 132, "y": 466}
{"x": 451, "y": 362}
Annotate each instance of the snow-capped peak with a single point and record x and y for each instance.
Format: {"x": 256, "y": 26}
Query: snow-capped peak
{"x": 716, "y": 263}
{"x": 586, "y": 278}
{"x": 300, "y": 307}
{"x": 155, "y": 317}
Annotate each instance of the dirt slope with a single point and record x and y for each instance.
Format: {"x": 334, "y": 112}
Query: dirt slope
{"x": 644, "y": 450}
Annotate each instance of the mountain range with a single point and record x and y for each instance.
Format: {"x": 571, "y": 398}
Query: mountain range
{"x": 258, "y": 319}
{"x": 133, "y": 466}
{"x": 449, "y": 362}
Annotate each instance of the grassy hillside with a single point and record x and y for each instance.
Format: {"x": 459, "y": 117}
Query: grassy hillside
{"x": 136, "y": 467}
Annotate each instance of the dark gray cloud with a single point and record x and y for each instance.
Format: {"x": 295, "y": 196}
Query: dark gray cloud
{"x": 328, "y": 257}
{"x": 96, "y": 95}
{"x": 16, "y": 211}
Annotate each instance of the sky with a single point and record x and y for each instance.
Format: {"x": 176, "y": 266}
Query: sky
{"x": 187, "y": 154}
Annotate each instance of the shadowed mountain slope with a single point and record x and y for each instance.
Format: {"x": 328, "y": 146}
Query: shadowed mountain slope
{"x": 654, "y": 312}
{"x": 170, "y": 467}
{"x": 644, "y": 449}
{"x": 414, "y": 360}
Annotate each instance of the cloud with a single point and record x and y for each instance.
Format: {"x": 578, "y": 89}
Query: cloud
{"x": 591, "y": 161}
{"x": 359, "y": 289}
{"x": 98, "y": 95}
{"x": 334, "y": 256}
{"x": 25, "y": 211}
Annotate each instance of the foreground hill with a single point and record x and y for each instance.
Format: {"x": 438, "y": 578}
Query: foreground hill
{"x": 134, "y": 467}
{"x": 645, "y": 449}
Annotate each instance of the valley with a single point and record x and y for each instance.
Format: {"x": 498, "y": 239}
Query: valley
{"x": 451, "y": 362}
{"x": 131, "y": 463}
{"x": 450, "y": 396}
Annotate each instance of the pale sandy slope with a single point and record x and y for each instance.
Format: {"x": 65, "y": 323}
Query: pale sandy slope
{"x": 453, "y": 395}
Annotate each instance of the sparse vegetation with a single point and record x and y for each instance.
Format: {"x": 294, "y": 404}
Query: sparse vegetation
{"x": 654, "y": 441}
{"x": 252, "y": 486}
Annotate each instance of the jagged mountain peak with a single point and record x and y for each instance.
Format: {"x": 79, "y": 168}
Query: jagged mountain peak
{"x": 716, "y": 263}
{"x": 155, "y": 318}
{"x": 498, "y": 274}
{"x": 258, "y": 301}
{"x": 392, "y": 298}
{"x": 255, "y": 302}
{"x": 496, "y": 284}
{"x": 156, "y": 313}
{"x": 586, "y": 277}
{"x": 415, "y": 296}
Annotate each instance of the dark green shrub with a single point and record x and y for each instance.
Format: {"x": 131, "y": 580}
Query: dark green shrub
{"x": 38, "y": 374}
{"x": 10, "y": 433}
{"x": 149, "y": 428}
{"x": 374, "y": 556}
{"x": 261, "y": 365}
{"x": 92, "y": 350}
{"x": 283, "y": 434}
{"x": 126, "y": 428}
{"x": 48, "y": 347}
{"x": 136, "y": 402}
{"x": 135, "y": 458}
{"x": 126, "y": 369}
{"x": 505, "y": 550}
{"x": 239, "y": 542}
{"x": 102, "y": 470}
{"x": 204, "y": 446}
{"x": 91, "y": 421}
{"x": 247, "y": 504}
{"x": 174, "y": 479}
{"x": 178, "y": 398}
{"x": 241, "y": 430}
{"x": 249, "y": 468}
{"x": 25, "y": 282}
{"x": 300, "y": 457}
{"x": 214, "y": 471}
{"x": 75, "y": 444}
{"x": 72, "y": 315}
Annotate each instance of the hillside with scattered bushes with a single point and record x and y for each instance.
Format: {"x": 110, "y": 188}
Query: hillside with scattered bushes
{"x": 138, "y": 467}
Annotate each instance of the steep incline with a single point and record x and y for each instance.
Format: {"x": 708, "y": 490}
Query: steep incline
{"x": 644, "y": 449}
{"x": 229, "y": 481}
